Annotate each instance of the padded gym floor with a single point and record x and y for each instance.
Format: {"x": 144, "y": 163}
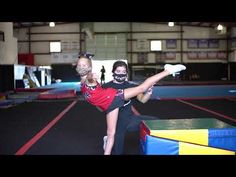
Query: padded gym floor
{"x": 71, "y": 126}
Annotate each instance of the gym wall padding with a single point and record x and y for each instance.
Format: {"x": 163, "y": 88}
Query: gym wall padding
{"x": 65, "y": 72}
{"x": 2, "y": 96}
{"x": 232, "y": 71}
{"x": 6, "y": 78}
{"x": 205, "y": 71}
{"x": 26, "y": 59}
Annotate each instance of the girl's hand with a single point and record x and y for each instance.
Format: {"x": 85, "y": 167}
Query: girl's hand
{"x": 149, "y": 91}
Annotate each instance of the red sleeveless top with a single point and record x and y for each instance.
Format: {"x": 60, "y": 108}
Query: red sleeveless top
{"x": 98, "y": 96}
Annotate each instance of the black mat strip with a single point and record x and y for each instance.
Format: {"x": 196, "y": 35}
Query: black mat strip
{"x": 80, "y": 132}
{"x": 20, "y": 123}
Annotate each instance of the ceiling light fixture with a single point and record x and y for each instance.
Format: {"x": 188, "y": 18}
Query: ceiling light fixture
{"x": 171, "y": 24}
{"x": 220, "y": 27}
{"x": 52, "y": 24}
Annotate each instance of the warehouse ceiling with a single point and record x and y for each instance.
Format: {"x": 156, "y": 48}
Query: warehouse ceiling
{"x": 33, "y": 24}
{"x": 204, "y": 24}
{"x": 197, "y": 24}
{"x": 209, "y": 24}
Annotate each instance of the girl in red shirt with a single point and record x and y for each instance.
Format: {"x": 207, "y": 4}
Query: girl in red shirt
{"x": 109, "y": 100}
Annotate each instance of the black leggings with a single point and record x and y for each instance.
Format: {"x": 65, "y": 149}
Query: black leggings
{"x": 124, "y": 124}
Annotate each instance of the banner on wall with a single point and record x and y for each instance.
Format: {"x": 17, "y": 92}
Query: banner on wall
{"x": 213, "y": 43}
{"x": 222, "y": 55}
{"x": 142, "y": 57}
{"x": 65, "y": 46}
{"x": 64, "y": 57}
{"x": 203, "y": 43}
{"x": 142, "y": 45}
{"x": 192, "y": 55}
{"x": 160, "y": 56}
{"x": 68, "y": 46}
{"x": 192, "y": 43}
{"x": 171, "y": 43}
{"x": 212, "y": 55}
{"x": 170, "y": 55}
{"x": 202, "y": 55}
{"x": 233, "y": 43}
{"x": 75, "y": 46}
{"x": 55, "y": 57}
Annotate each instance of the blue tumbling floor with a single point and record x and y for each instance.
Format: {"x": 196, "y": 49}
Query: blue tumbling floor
{"x": 194, "y": 91}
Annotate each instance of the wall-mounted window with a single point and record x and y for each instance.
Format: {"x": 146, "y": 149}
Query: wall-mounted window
{"x": 2, "y": 36}
{"x": 55, "y": 47}
{"x": 156, "y": 45}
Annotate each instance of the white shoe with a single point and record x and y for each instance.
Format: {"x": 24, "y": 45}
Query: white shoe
{"x": 104, "y": 142}
{"x": 173, "y": 69}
